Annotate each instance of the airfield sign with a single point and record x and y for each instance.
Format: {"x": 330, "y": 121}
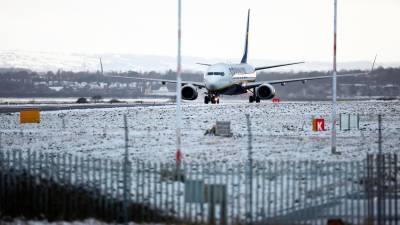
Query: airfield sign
{"x": 31, "y": 116}
{"x": 318, "y": 124}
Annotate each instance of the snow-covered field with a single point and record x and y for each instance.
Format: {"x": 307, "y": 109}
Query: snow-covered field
{"x": 280, "y": 131}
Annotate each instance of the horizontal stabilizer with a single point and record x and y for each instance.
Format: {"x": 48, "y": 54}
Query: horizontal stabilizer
{"x": 204, "y": 64}
{"x": 269, "y": 67}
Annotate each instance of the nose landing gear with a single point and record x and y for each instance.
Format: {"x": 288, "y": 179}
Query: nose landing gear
{"x": 213, "y": 99}
{"x": 206, "y": 99}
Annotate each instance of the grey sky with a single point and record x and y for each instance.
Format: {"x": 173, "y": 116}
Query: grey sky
{"x": 279, "y": 29}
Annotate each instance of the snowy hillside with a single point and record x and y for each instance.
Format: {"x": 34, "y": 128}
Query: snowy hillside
{"x": 45, "y": 61}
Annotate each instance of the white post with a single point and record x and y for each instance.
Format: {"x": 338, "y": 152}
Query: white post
{"x": 178, "y": 89}
{"x": 333, "y": 150}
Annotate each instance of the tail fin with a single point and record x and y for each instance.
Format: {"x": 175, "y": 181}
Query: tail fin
{"x": 101, "y": 67}
{"x": 373, "y": 64}
{"x": 244, "y": 58}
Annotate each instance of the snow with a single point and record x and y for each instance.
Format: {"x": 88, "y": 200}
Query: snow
{"x": 280, "y": 131}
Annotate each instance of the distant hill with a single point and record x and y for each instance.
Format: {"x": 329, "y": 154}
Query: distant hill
{"x": 47, "y": 61}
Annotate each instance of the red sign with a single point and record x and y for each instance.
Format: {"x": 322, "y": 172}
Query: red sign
{"x": 178, "y": 157}
{"x": 318, "y": 125}
{"x": 276, "y": 100}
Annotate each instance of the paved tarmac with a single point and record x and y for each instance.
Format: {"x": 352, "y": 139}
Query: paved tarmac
{"x": 57, "y": 107}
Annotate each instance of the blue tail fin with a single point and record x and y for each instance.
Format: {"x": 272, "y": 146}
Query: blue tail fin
{"x": 101, "y": 67}
{"x": 244, "y": 58}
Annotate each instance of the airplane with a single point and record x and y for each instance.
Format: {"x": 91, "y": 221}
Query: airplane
{"x": 235, "y": 79}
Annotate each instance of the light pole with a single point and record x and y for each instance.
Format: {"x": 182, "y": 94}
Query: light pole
{"x": 178, "y": 91}
{"x": 333, "y": 150}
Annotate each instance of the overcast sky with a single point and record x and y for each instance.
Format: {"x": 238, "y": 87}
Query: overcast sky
{"x": 279, "y": 29}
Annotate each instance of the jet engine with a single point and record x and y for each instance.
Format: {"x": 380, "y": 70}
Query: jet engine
{"x": 265, "y": 91}
{"x": 189, "y": 92}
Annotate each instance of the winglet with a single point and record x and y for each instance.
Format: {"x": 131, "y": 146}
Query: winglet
{"x": 373, "y": 64}
{"x": 244, "y": 58}
{"x": 101, "y": 67}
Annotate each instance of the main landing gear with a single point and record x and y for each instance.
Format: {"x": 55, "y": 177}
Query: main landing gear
{"x": 254, "y": 97}
{"x": 213, "y": 99}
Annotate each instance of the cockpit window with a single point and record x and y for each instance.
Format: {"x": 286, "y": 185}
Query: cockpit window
{"x": 216, "y": 73}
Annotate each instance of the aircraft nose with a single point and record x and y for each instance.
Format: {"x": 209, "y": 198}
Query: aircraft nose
{"x": 211, "y": 87}
{"x": 211, "y": 83}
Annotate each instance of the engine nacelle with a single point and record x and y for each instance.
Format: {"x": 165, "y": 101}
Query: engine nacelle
{"x": 265, "y": 91}
{"x": 189, "y": 92}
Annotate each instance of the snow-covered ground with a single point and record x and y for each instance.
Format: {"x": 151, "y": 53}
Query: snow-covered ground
{"x": 280, "y": 131}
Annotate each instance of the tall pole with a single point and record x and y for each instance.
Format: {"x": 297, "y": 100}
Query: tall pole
{"x": 333, "y": 150}
{"x": 178, "y": 90}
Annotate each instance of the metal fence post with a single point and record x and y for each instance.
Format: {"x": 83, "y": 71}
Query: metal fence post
{"x": 380, "y": 164}
{"x": 249, "y": 177}
{"x": 380, "y": 134}
{"x": 396, "y": 187}
{"x": 126, "y": 162}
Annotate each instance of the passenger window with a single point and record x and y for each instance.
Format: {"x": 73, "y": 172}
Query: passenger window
{"x": 216, "y": 73}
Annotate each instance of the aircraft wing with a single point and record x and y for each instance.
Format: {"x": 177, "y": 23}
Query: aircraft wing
{"x": 163, "y": 81}
{"x": 204, "y": 64}
{"x": 302, "y": 79}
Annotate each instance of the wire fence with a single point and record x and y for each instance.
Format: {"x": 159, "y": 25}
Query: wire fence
{"x": 66, "y": 187}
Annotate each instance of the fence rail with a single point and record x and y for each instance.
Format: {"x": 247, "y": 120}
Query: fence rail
{"x": 66, "y": 187}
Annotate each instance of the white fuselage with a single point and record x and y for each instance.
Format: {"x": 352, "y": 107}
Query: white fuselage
{"x": 221, "y": 76}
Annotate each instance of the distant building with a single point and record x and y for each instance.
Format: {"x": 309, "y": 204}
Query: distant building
{"x": 56, "y": 88}
{"x": 391, "y": 90}
{"x": 162, "y": 91}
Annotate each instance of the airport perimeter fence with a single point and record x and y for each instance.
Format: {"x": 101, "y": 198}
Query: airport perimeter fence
{"x": 66, "y": 187}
